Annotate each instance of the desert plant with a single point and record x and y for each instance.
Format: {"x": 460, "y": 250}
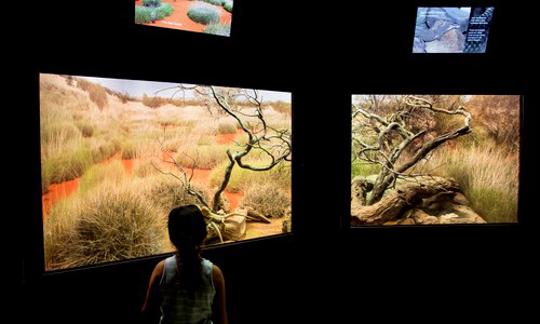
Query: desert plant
{"x": 66, "y": 166}
{"x": 143, "y": 15}
{"x": 266, "y": 199}
{"x": 111, "y": 224}
{"x": 167, "y": 192}
{"x": 218, "y": 29}
{"x": 144, "y": 168}
{"x": 226, "y": 128}
{"x": 59, "y": 132}
{"x": 203, "y": 156}
{"x": 146, "y": 14}
{"x": 203, "y": 13}
{"x": 153, "y": 102}
{"x": 151, "y": 3}
{"x": 112, "y": 172}
{"x": 228, "y": 5}
{"x": 86, "y": 128}
{"x": 242, "y": 179}
{"x": 129, "y": 150}
{"x": 96, "y": 92}
{"x": 488, "y": 177}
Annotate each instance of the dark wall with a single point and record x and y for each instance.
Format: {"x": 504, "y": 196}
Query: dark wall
{"x": 322, "y": 53}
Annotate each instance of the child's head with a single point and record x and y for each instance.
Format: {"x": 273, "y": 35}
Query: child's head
{"x": 187, "y": 228}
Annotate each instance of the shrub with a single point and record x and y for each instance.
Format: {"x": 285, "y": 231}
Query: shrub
{"x": 488, "y": 176}
{"x": 96, "y": 92}
{"x": 87, "y": 129}
{"x": 218, "y": 29}
{"x": 203, "y": 13}
{"x": 58, "y": 133}
{"x": 168, "y": 192}
{"x": 363, "y": 169}
{"x": 214, "y": 2}
{"x": 241, "y": 179}
{"x": 66, "y": 166}
{"x": 111, "y": 224}
{"x": 112, "y": 172}
{"x": 103, "y": 150}
{"x": 153, "y": 102}
{"x": 226, "y": 128}
{"x": 129, "y": 151}
{"x": 151, "y": 3}
{"x": 281, "y": 106}
{"x": 144, "y": 168}
{"x": 228, "y": 5}
{"x": 143, "y": 15}
{"x": 267, "y": 199}
{"x": 206, "y": 140}
{"x": 206, "y": 156}
{"x": 146, "y": 14}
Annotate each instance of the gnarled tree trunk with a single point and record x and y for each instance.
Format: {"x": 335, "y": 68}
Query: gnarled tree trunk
{"x": 395, "y": 203}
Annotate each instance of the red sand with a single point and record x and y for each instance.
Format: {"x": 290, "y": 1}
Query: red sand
{"x": 59, "y": 191}
{"x": 56, "y": 192}
{"x": 225, "y": 138}
{"x": 128, "y": 166}
{"x": 234, "y": 198}
{"x": 180, "y": 20}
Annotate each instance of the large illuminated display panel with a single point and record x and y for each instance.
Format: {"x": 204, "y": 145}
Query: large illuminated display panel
{"x": 435, "y": 159}
{"x": 201, "y": 16}
{"x": 452, "y": 29}
{"x": 118, "y": 155}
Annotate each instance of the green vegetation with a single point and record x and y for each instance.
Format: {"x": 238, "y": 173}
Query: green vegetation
{"x": 111, "y": 224}
{"x": 242, "y": 179}
{"x": 218, "y": 29}
{"x": 214, "y": 2}
{"x": 487, "y": 176}
{"x": 96, "y": 92}
{"x": 168, "y": 192}
{"x": 227, "y": 128}
{"x": 147, "y": 14}
{"x": 203, "y": 13}
{"x": 112, "y": 172}
{"x": 228, "y": 5}
{"x": 363, "y": 169}
{"x": 129, "y": 150}
{"x": 204, "y": 157}
{"x": 153, "y": 102}
{"x": 83, "y": 142}
{"x": 267, "y": 199}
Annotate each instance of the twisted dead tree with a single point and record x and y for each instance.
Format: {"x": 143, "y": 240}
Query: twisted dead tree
{"x": 392, "y": 143}
{"x": 246, "y": 108}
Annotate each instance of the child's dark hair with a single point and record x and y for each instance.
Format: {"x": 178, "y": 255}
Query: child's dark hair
{"x": 187, "y": 231}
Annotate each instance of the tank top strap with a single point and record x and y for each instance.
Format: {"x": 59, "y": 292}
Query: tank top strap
{"x": 169, "y": 270}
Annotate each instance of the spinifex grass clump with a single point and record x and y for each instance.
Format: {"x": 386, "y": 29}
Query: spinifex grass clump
{"x": 267, "y": 199}
{"x": 114, "y": 223}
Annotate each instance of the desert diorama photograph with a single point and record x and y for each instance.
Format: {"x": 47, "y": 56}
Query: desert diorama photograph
{"x": 434, "y": 159}
{"x": 201, "y": 16}
{"x": 118, "y": 155}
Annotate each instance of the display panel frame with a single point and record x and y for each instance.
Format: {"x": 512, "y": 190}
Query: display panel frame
{"x": 346, "y": 220}
{"x": 34, "y": 266}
